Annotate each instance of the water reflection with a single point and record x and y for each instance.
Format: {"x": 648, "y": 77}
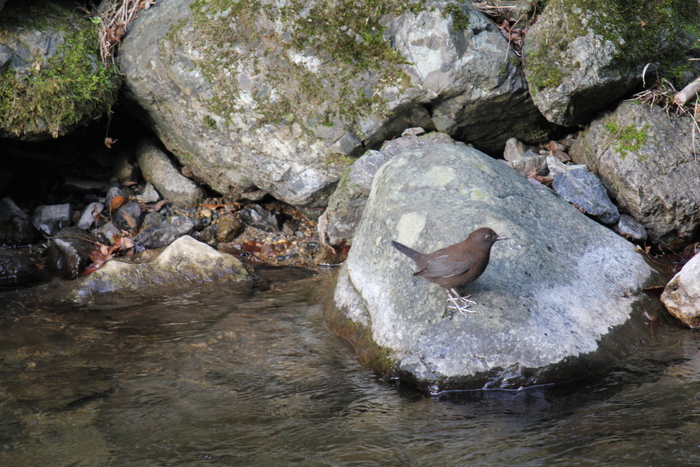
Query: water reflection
{"x": 253, "y": 377}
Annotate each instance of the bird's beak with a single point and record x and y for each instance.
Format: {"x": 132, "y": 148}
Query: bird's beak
{"x": 502, "y": 238}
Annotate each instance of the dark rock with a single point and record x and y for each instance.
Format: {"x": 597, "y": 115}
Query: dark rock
{"x": 16, "y": 266}
{"x": 559, "y": 297}
{"x": 128, "y": 217}
{"x": 164, "y": 232}
{"x": 583, "y": 189}
{"x": 15, "y": 225}
{"x": 69, "y": 252}
{"x": 50, "y": 219}
{"x": 228, "y": 228}
{"x": 256, "y": 216}
{"x": 629, "y": 228}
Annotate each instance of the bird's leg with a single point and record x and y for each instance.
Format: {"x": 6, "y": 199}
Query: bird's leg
{"x": 454, "y": 298}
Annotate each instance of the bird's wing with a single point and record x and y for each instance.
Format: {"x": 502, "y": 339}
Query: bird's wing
{"x": 442, "y": 267}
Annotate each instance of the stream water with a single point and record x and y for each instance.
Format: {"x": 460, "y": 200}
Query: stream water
{"x": 252, "y": 377}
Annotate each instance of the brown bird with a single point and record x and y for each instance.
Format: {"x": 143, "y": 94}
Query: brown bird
{"x": 455, "y": 265}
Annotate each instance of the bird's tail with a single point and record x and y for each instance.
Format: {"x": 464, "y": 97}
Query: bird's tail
{"x": 410, "y": 252}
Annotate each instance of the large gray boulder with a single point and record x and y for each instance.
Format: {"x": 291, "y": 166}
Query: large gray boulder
{"x": 580, "y": 56}
{"x": 561, "y": 294}
{"x": 255, "y": 96}
{"x": 347, "y": 202}
{"x": 645, "y": 158}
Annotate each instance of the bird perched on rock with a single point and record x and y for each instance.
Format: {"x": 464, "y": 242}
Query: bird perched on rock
{"x": 455, "y": 265}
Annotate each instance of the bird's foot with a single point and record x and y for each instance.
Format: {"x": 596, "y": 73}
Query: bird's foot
{"x": 459, "y": 303}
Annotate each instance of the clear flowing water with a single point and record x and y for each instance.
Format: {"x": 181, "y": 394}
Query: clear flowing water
{"x": 253, "y": 377}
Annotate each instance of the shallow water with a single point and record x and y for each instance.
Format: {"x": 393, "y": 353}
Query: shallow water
{"x": 217, "y": 376}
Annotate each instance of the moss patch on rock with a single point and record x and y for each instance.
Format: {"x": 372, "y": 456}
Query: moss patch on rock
{"x": 59, "y": 90}
{"x": 635, "y": 28}
{"x": 312, "y": 65}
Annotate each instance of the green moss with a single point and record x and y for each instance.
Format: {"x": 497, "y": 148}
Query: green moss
{"x": 295, "y": 63}
{"x": 209, "y": 122}
{"x": 634, "y": 28}
{"x": 57, "y": 93}
{"x": 629, "y": 138}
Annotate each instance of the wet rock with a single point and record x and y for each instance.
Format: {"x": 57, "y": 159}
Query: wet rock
{"x": 15, "y": 226}
{"x": 629, "y": 228}
{"x": 90, "y": 215}
{"x": 645, "y": 158}
{"x": 69, "y": 252}
{"x": 347, "y": 202}
{"x": 16, "y": 266}
{"x": 185, "y": 262}
{"x": 50, "y": 219}
{"x": 158, "y": 234}
{"x": 256, "y": 216}
{"x": 682, "y": 294}
{"x": 128, "y": 217}
{"x": 583, "y": 189}
{"x": 557, "y": 298}
{"x": 228, "y": 228}
{"x": 159, "y": 170}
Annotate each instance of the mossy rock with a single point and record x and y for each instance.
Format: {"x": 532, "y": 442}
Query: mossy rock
{"x": 52, "y": 78}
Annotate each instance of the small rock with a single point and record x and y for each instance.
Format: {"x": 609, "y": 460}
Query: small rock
{"x": 514, "y": 150}
{"x": 583, "y": 189}
{"x": 50, "y": 219}
{"x": 561, "y": 155}
{"x": 415, "y": 131}
{"x": 149, "y": 194}
{"x": 69, "y": 252}
{"x": 529, "y": 163}
{"x": 682, "y": 294}
{"x": 260, "y": 218}
{"x": 164, "y": 233}
{"x": 109, "y": 231}
{"x": 78, "y": 185}
{"x": 228, "y": 228}
{"x": 15, "y": 226}
{"x": 556, "y": 166}
{"x": 128, "y": 217}
{"x": 629, "y": 228}
{"x": 112, "y": 193}
{"x": 158, "y": 169}
{"x": 90, "y": 215}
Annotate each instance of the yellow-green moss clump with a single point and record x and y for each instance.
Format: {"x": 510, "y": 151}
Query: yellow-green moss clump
{"x": 54, "y": 90}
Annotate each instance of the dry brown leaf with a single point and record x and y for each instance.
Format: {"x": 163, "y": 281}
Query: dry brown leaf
{"x": 116, "y": 203}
